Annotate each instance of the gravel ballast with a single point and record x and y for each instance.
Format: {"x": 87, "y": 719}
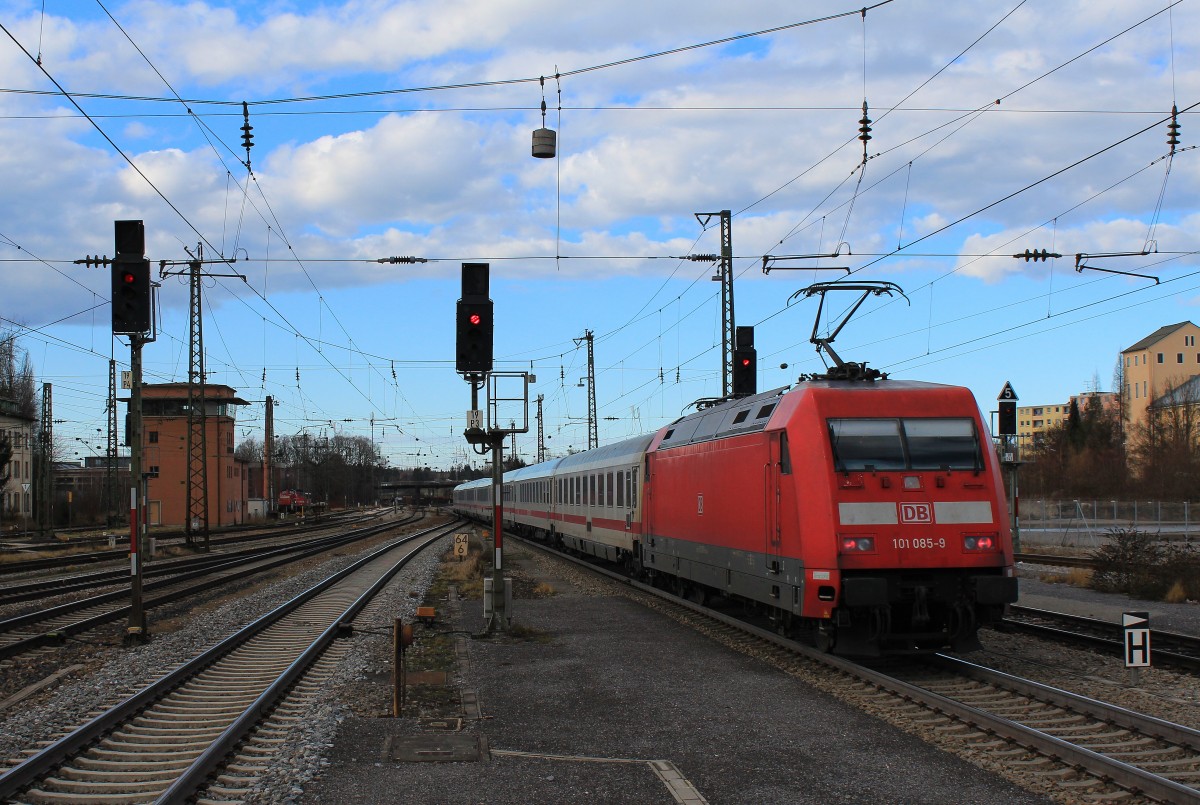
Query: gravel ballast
{"x": 593, "y": 687}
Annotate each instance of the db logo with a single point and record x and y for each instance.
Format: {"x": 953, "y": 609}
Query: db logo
{"x": 916, "y": 513}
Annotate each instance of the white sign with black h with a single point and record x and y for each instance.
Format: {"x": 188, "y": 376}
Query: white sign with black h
{"x": 1137, "y": 639}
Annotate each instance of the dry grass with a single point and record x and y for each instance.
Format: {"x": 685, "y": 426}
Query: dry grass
{"x": 544, "y": 590}
{"x": 1074, "y": 577}
{"x": 465, "y": 574}
{"x": 1079, "y": 577}
{"x": 1177, "y": 594}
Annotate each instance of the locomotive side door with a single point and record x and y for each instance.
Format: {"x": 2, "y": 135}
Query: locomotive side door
{"x": 771, "y": 504}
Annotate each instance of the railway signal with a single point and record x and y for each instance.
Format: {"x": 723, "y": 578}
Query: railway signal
{"x": 474, "y": 322}
{"x": 131, "y": 287}
{"x": 745, "y": 363}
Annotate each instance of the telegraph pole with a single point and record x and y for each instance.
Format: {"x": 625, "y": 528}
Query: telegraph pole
{"x": 268, "y": 454}
{"x": 132, "y": 315}
{"x": 137, "y": 499}
{"x": 46, "y": 479}
{"x": 110, "y": 453}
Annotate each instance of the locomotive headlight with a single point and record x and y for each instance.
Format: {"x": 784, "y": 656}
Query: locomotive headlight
{"x": 857, "y": 545}
{"x": 979, "y": 542}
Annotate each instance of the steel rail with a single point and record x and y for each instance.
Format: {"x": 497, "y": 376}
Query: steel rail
{"x": 1123, "y": 774}
{"x": 32, "y": 590}
{"x": 1110, "y": 637}
{"x": 286, "y": 556}
{"x": 194, "y": 778}
{"x": 93, "y": 557}
{"x": 48, "y": 758}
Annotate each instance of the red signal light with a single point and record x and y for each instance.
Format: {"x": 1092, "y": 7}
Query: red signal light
{"x": 475, "y": 319}
{"x": 128, "y": 278}
{"x": 745, "y": 361}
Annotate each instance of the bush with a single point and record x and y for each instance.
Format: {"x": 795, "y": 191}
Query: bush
{"x": 1140, "y": 565}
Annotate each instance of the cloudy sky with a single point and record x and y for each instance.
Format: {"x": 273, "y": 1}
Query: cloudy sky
{"x": 384, "y": 129}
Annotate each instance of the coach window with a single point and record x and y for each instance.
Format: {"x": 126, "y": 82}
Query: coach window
{"x": 621, "y": 489}
{"x": 609, "y": 488}
{"x": 578, "y": 490}
{"x": 591, "y": 490}
{"x": 633, "y": 488}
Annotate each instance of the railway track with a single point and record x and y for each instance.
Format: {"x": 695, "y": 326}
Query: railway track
{"x": 204, "y": 730}
{"x": 1055, "y": 560}
{"x": 233, "y": 535}
{"x": 1167, "y": 648}
{"x": 1084, "y": 747}
{"x": 49, "y": 627}
{"x": 35, "y": 589}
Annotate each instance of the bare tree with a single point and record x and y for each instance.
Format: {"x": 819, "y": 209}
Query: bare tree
{"x": 16, "y": 376}
{"x": 1163, "y": 448}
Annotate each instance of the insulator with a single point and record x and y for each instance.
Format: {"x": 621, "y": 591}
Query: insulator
{"x": 703, "y": 258}
{"x": 864, "y": 127}
{"x": 1173, "y": 128}
{"x": 247, "y": 137}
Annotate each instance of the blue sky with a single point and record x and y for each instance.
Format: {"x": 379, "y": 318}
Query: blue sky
{"x": 403, "y": 128}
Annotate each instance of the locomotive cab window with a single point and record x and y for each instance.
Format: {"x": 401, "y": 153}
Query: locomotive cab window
{"x": 942, "y": 444}
{"x": 904, "y": 444}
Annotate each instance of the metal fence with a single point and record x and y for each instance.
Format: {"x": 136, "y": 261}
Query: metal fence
{"x": 1085, "y": 522}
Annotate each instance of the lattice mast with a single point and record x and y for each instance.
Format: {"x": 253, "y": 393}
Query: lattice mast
{"x": 541, "y": 443}
{"x": 197, "y": 441}
{"x": 728, "y": 325}
{"x": 593, "y": 425}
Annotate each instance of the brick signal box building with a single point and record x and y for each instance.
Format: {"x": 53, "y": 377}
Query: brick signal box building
{"x": 165, "y": 454}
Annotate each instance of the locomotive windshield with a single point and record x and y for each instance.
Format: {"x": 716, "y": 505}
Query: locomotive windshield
{"x": 904, "y": 444}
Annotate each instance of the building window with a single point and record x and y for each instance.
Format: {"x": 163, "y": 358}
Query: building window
{"x": 1179, "y": 358}
{"x": 152, "y": 438}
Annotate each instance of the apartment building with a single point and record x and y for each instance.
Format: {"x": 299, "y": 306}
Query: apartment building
{"x": 1157, "y": 365}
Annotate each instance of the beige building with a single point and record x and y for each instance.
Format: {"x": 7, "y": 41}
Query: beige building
{"x": 16, "y": 498}
{"x": 1033, "y": 421}
{"x": 1161, "y": 362}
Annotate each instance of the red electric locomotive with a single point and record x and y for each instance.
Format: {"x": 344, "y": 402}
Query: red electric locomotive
{"x": 868, "y": 513}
